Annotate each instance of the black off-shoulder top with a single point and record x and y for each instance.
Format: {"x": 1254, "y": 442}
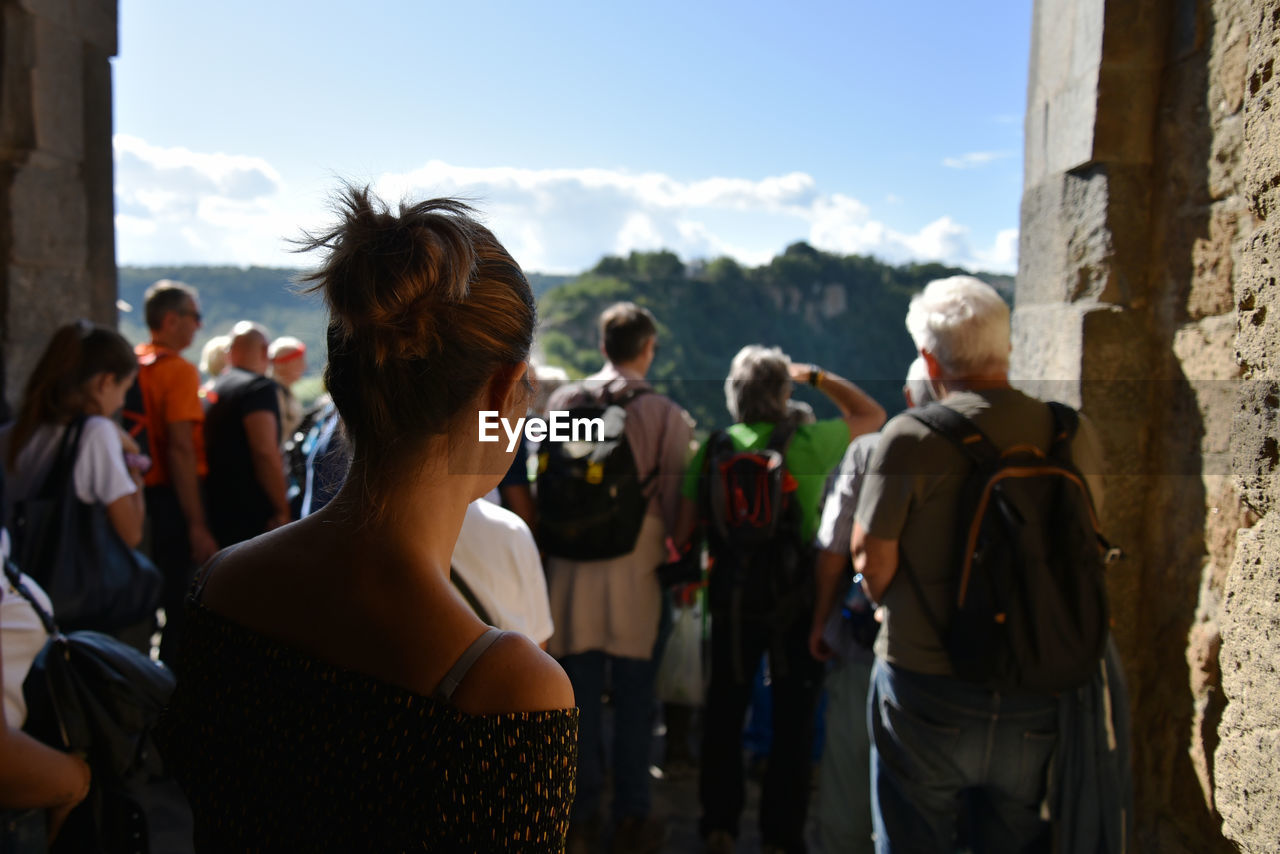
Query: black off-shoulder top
{"x": 278, "y": 751}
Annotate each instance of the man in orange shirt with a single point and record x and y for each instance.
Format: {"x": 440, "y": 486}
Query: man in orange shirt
{"x": 180, "y": 538}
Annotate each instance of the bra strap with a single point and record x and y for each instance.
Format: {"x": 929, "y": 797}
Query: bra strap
{"x": 452, "y": 679}
{"x": 202, "y": 574}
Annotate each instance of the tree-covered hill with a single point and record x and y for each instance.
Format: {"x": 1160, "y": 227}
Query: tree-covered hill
{"x": 842, "y": 312}
{"x": 267, "y": 295}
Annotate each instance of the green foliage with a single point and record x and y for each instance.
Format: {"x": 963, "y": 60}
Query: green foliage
{"x": 843, "y": 312}
{"x": 267, "y": 295}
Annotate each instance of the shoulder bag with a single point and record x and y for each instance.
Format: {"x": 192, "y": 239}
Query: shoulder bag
{"x": 72, "y": 550}
{"x": 91, "y": 694}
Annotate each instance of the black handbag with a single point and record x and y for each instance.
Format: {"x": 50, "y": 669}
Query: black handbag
{"x": 89, "y": 693}
{"x": 73, "y": 551}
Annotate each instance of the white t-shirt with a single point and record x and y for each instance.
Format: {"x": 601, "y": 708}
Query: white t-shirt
{"x": 498, "y": 559}
{"x": 22, "y": 636}
{"x": 100, "y": 474}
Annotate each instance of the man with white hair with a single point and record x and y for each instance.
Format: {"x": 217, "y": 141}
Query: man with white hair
{"x": 936, "y": 737}
{"x": 246, "y": 483}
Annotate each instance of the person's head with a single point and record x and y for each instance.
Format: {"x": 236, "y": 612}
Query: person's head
{"x": 288, "y": 359}
{"x": 628, "y": 335}
{"x": 759, "y": 385}
{"x": 430, "y": 322}
{"x": 961, "y": 325}
{"x": 248, "y": 349}
{"x": 172, "y": 311}
{"x": 213, "y": 356}
{"x": 85, "y": 370}
{"x": 918, "y": 389}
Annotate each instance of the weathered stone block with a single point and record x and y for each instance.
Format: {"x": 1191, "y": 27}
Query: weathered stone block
{"x": 49, "y": 217}
{"x": 1066, "y": 50}
{"x": 1204, "y": 350}
{"x": 60, "y": 13}
{"x": 1255, "y": 431}
{"x": 96, "y": 22}
{"x": 17, "y": 55}
{"x": 57, "y": 91}
{"x": 1065, "y": 248}
{"x": 1225, "y": 156}
{"x": 1247, "y": 760}
{"x": 1213, "y": 260}
{"x": 1046, "y": 356}
{"x": 40, "y": 300}
{"x": 1229, "y": 61}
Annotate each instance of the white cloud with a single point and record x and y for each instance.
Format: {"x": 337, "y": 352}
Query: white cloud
{"x": 974, "y": 159}
{"x": 176, "y": 205}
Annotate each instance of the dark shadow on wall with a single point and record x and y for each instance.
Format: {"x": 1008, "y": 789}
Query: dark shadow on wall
{"x": 1172, "y": 811}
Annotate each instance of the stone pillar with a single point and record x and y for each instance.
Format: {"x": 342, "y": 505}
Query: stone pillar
{"x": 1130, "y": 227}
{"x": 57, "y": 230}
{"x": 1248, "y": 756}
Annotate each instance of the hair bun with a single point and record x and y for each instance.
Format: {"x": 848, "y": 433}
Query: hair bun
{"x": 393, "y": 279}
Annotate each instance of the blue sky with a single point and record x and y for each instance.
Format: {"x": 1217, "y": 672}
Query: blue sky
{"x": 885, "y": 128}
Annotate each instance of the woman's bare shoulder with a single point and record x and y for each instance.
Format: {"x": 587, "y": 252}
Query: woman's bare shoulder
{"x": 514, "y": 675}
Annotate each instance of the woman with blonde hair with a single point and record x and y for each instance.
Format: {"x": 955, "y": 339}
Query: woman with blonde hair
{"x": 336, "y": 692}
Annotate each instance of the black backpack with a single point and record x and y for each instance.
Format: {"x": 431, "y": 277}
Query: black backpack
{"x": 591, "y": 498}
{"x": 761, "y": 568}
{"x": 1029, "y": 609}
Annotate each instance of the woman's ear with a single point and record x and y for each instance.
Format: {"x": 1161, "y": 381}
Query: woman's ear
{"x": 507, "y": 390}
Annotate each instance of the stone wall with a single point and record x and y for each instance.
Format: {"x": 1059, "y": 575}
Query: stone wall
{"x": 1247, "y": 790}
{"x": 57, "y": 229}
{"x": 1135, "y": 231}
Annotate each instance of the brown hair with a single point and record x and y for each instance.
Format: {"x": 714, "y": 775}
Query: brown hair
{"x": 163, "y": 297}
{"x": 424, "y": 306}
{"x": 624, "y": 330}
{"x": 56, "y": 390}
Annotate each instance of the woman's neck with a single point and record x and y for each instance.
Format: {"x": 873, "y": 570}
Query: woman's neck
{"x": 415, "y": 517}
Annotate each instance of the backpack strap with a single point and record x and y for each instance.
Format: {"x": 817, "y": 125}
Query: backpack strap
{"x": 59, "y": 478}
{"x": 470, "y": 595}
{"x": 14, "y": 577}
{"x": 452, "y": 679}
{"x": 622, "y": 398}
{"x": 783, "y": 432}
{"x": 1066, "y": 423}
{"x": 959, "y": 430}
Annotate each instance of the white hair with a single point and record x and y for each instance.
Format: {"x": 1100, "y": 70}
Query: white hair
{"x": 963, "y": 323}
{"x": 918, "y": 384}
{"x": 213, "y": 358}
{"x": 759, "y": 384}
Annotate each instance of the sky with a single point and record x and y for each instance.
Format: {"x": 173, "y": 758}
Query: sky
{"x": 891, "y": 129}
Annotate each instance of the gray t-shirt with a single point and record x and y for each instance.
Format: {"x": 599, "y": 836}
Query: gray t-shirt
{"x": 910, "y": 496}
{"x": 836, "y": 529}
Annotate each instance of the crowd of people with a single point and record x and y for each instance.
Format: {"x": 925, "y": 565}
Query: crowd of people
{"x": 391, "y": 634}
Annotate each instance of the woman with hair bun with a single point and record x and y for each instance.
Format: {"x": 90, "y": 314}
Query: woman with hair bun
{"x": 337, "y": 693}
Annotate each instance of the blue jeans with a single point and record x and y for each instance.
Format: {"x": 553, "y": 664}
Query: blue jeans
{"x": 936, "y": 739}
{"x": 631, "y": 680}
